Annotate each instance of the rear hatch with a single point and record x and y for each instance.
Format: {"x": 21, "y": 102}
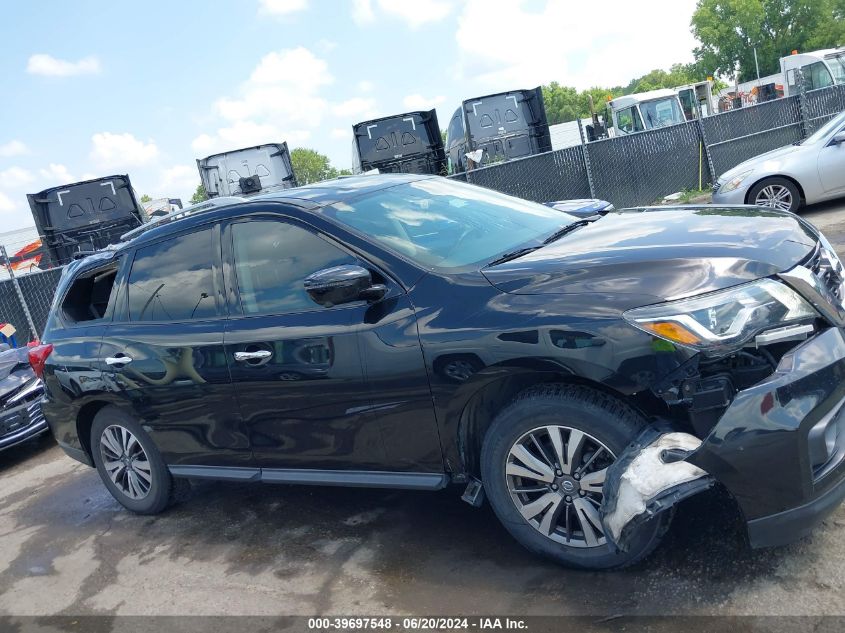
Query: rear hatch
{"x": 405, "y": 143}
{"x": 508, "y": 125}
{"x": 86, "y": 215}
{"x": 247, "y": 171}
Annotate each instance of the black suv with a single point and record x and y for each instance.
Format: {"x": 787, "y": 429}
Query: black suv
{"x": 413, "y": 332}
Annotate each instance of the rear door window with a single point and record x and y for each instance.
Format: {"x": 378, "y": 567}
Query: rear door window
{"x": 90, "y": 294}
{"x": 172, "y": 280}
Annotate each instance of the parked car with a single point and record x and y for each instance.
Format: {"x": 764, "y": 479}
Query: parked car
{"x": 441, "y": 333}
{"x": 20, "y": 396}
{"x": 810, "y": 171}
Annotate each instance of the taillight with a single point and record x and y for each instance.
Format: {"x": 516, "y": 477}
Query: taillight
{"x": 38, "y": 357}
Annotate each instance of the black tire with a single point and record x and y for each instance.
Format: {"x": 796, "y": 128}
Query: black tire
{"x": 603, "y": 418}
{"x": 161, "y": 487}
{"x": 776, "y": 183}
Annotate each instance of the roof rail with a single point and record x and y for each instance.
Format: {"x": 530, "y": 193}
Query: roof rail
{"x": 200, "y": 207}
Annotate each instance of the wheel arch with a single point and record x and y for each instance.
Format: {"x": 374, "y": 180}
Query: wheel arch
{"x": 791, "y": 179}
{"x": 482, "y": 406}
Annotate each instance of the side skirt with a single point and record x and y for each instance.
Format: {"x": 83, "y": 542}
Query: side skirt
{"x": 348, "y": 478}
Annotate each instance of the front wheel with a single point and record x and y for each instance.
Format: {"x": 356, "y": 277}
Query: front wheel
{"x": 544, "y": 462}
{"x": 776, "y": 193}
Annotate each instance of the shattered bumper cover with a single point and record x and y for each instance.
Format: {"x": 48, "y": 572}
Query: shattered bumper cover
{"x": 779, "y": 450}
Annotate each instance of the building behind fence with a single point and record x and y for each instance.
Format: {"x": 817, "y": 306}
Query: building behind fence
{"x": 633, "y": 170}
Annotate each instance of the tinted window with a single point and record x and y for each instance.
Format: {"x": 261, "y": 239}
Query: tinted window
{"x": 272, "y": 259}
{"x": 172, "y": 280}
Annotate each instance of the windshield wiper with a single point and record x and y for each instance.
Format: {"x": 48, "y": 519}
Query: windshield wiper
{"x": 569, "y": 228}
{"x": 513, "y": 255}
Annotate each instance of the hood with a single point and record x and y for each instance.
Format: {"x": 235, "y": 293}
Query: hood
{"x": 775, "y": 157}
{"x": 661, "y": 254}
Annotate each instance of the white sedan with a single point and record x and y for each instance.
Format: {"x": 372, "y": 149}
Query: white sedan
{"x": 810, "y": 171}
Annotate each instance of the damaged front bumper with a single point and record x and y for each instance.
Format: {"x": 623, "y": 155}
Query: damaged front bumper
{"x": 779, "y": 450}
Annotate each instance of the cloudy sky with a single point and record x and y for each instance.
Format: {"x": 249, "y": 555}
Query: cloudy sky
{"x": 94, "y": 88}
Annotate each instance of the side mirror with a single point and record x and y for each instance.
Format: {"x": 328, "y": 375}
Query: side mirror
{"x": 838, "y": 138}
{"x": 343, "y": 284}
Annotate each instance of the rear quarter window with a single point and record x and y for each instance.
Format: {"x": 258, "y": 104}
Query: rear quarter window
{"x": 89, "y": 295}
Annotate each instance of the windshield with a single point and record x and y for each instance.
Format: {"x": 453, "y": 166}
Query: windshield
{"x": 661, "y": 112}
{"x": 823, "y": 132}
{"x": 442, "y": 224}
{"x": 837, "y": 67}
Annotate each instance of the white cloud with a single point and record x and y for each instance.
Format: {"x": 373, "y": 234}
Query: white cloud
{"x": 418, "y": 102}
{"x": 546, "y": 43}
{"x": 355, "y": 107}
{"x": 282, "y": 7}
{"x": 362, "y": 12}
{"x": 178, "y": 181}
{"x": 242, "y": 134}
{"x": 55, "y": 174}
{"x": 109, "y": 150}
{"x": 15, "y": 177}
{"x": 49, "y": 66}
{"x": 341, "y": 133}
{"x": 420, "y": 12}
{"x": 6, "y": 203}
{"x": 414, "y": 14}
{"x": 283, "y": 87}
{"x": 365, "y": 86}
{"x": 13, "y": 148}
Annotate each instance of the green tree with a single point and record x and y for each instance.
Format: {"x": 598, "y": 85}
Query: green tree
{"x": 145, "y": 198}
{"x": 200, "y": 195}
{"x": 311, "y": 166}
{"x": 730, "y": 30}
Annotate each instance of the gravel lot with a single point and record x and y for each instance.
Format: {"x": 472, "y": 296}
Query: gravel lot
{"x": 67, "y": 548}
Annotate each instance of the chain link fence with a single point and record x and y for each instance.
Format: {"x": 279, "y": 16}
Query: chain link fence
{"x": 558, "y": 175}
{"x": 25, "y": 300}
{"x": 641, "y": 169}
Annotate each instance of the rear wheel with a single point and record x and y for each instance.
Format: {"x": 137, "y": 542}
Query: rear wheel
{"x": 776, "y": 193}
{"x": 544, "y": 462}
{"x": 129, "y": 463}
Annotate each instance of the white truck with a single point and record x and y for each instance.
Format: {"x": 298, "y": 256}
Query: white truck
{"x": 246, "y": 171}
{"x": 645, "y": 111}
{"x": 818, "y": 69}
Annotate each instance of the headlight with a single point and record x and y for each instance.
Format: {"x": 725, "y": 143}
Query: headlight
{"x": 723, "y": 320}
{"x": 735, "y": 182}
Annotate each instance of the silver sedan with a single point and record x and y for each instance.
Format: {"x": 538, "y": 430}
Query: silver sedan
{"x": 807, "y": 172}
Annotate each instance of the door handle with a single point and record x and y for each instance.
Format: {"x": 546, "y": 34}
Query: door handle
{"x": 118, "y": 360}
{"x": 259, "y": 355}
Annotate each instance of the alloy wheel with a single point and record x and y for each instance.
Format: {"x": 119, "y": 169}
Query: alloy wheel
{"x": 555, "y": 476}
{"x": 125, "y": 462}
{"x": 775, "y": 196}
